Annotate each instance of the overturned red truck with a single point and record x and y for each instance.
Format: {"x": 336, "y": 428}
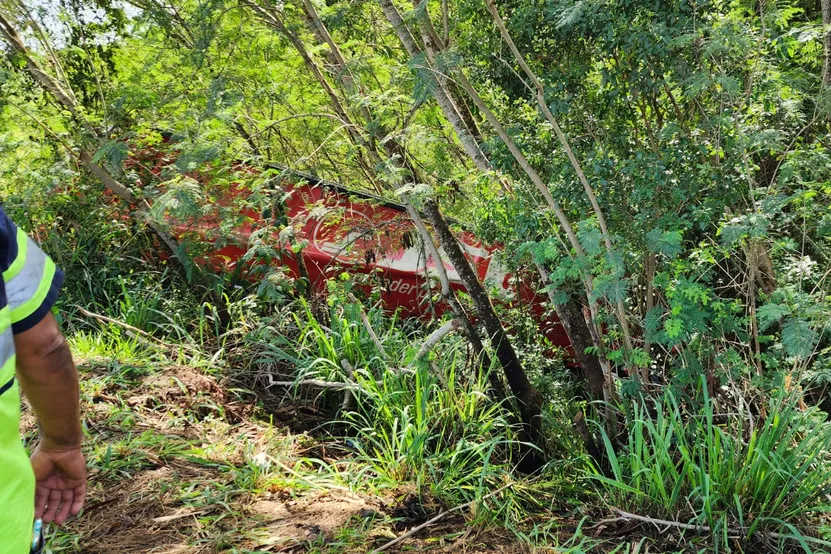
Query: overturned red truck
{"x": 346, "y": 231}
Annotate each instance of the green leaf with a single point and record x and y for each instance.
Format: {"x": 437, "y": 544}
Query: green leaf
{"x": 652, "y": 321}
{"x": 673, "y": 327}
{"x": 667, "y": 243}
{"x": 112, "y": 154}
{"x": 798, "y": 338}
{"x": 590, "y": 237}
{"x": 560, "y": 296}
{"x": 640, "y": 358}
{"x": 770, "y": 314}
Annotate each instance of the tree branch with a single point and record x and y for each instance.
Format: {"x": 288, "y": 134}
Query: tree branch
{"x": 434, "y": 338}
{"x": 439, "y": 517}
{"x": 601, "y": 219}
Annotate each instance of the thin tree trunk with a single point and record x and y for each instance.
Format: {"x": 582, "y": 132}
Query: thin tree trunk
{"x": 529, "y": 399}
{"x": 252, "y": 144}
{"x": 601, "y": 219}
{"x": 323, "y": 36}
{"x": 445, "y": 102}
{"x": 433, "y": 46}
{"x": 482, "y": 357}
{"x": 651, "y": 268}
{"x": 344, "y": 72}
{"x": 826, "y": 42}
{"x": 565, "y": 224}
{"x": 445, "y": 20}
{"x": 752, "y": 268}
{"x": 570, "y": 314}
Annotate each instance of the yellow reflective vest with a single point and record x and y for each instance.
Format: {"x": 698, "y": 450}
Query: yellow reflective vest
{"x": 28, "y": 290}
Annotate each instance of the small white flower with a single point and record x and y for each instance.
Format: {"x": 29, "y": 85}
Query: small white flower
{"x": 800, "y": 268}
{"x": 262, "y": 461}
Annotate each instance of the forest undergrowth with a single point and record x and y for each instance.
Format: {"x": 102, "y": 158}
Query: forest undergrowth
{"x": 649, "y": 180}
{"x": 283, "y": 433}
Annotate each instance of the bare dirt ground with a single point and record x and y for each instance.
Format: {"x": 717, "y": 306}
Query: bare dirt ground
{"x": 177, "y": 464}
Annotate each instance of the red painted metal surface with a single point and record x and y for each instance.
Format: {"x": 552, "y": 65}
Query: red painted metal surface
{"x": 347, "y": 232}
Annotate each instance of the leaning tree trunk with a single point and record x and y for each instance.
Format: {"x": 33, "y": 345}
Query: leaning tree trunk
{"x": 431, "y": 44}
{"x": 571, "y": 316}
{"x": 449, "y": 108}
{"x": 483, "y": 360}
{"x": 826, "y": 42}
{"x": 347, "y": 81}
{"x": 529, "y": 399}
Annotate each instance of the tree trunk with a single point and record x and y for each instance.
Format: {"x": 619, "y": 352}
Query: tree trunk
{"x": 429, "y": 39}
{"x": 321, "y": 33}
{"x": 342, "y": 70}
{"x": 578, "y": 169}
{"x": 826, "y": 42}
{"x": 482, "y": 358}
{"x": 433, "y": 45}
{"x": 445, "y": 102}
{"x": 571, "y": 316}
{"x": 529, "y": 399}
{"x": 651, "y": 267}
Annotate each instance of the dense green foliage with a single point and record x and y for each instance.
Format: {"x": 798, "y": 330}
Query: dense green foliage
{"x": 684, "y": 207}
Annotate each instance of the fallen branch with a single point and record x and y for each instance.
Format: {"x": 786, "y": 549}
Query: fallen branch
{"x": 732, "y": 533}
{"x": 663, "y": 523}
{"x": 434, "y": 520}
{"x": 106, "y": 319}
{"x": 174, "y": 517}
{"x": 313, "y": 383}
{"x": 135, "y": 333}
{"x": 434, "y": 338}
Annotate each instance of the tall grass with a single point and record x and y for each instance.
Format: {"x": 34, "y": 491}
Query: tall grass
{"x": 716, "y": 471}
{"x": 431, "y": 424}
{"x": 446, "y": 437}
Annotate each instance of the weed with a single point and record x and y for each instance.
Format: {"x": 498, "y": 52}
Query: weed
{"x": 726, "y": 473}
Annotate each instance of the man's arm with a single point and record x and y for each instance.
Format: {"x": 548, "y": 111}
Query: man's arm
{"x": 49, "y": 380}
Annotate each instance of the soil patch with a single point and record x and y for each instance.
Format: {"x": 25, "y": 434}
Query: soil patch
{"x": 316, "y": 517}
{"x": 138, "y": 516}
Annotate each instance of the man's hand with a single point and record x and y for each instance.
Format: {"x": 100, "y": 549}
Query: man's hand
{"x": 61, "y": 483}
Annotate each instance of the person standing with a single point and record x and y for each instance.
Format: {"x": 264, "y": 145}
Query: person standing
{"x": 35, "y": 358}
